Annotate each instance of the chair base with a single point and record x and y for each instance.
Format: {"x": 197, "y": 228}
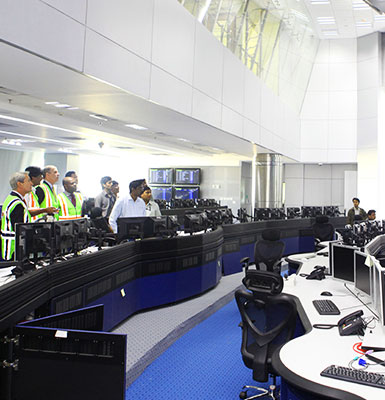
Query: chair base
{"x": 263, "y": 392}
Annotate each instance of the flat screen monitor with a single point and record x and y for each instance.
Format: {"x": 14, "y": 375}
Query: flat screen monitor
{"x": 186, "y": 193}
{"x": 64, "y": 236}
{"x": 80, "y": 230}
{"x": 33, "y": 240}
{"x": 362, "y": 273}
{"x": 343, "y": 262}
{"x": 160, "y": 176}
{"x": 162, "y": 192}
{"x": 382, "y": 298}
{"x": 187, "y": 176}
{"x": 135, "y": 227}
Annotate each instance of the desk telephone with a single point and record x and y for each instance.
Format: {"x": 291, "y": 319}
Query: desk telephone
{"x": 352, "y": 324}
{"x": 318, "y": 273}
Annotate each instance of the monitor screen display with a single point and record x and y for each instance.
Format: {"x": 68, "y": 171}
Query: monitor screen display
{"x": 186, "y": 193}
{"x": 162, "y": 192}
{"x": 160, "y": 176}
{"x": 187, "y": 176}
{"x": 362, "y": 272}
{"x": 343, "y": 262}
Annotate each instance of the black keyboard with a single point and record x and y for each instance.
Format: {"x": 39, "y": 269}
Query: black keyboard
{"x": 355, "y": 376}
{"x": 326, "y": 307}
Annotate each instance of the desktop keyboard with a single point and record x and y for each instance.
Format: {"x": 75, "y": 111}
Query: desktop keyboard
{"x": 326, "y": 307}
{"x": 355, "y": 376}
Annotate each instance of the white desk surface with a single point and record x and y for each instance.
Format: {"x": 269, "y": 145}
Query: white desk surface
{"x": 307, "y": 355}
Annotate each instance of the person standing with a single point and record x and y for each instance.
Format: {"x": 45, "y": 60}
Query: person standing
{"x": 14, "y": 211}
{"x": 45, "y": 192}
{"x": 129, "y": 206}
{"x": 105, "y": 200}
{"x": 152, "y": 208}
{"x": 355, "y": 210}
{"x": 36, "y": 175}
{"x": 70, "y": 201}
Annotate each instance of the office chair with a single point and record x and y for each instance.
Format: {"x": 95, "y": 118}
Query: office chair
{"x": 268, "y": 322}
{"x": 323, "y": 230}
{"x": 268, "y": 252}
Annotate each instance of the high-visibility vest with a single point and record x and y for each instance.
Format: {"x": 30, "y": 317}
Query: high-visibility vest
{"x": 50, "y": 198}
{"x": 8, "y": 232}
{"x": 33, "y": 204}
{"x": 67, "y": 209}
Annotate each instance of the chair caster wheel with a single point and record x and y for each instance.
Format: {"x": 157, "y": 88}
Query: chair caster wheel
{"x": 243, "y": 395}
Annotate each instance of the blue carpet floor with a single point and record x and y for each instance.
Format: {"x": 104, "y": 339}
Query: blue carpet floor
{"x": 205, "y": 363}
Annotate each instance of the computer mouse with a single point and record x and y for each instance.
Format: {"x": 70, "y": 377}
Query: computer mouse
{"x": 326, "y": 294}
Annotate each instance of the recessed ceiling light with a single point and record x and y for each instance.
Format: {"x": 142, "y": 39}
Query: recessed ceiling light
{"x": 62, "y": 105}
{"x": 11, "y": 142}
{"x": 51, "y": 102}
{"x": 137, "y": 127}
{"x": 363, "y": 24}
{"x": 359, "y": 5}
{"x": 73, "y": 108}
{"x": 379, "y": 17}
{"x": 184, "y": 140}
{"x": 330, "y": 33}
{"x": 97, "y": 116}
{"x": 319, "y": 2}
{"x": 326, "y": 20}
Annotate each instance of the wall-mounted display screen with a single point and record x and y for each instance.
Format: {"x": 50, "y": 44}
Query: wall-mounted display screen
{"x": 160, "y": 176}
{"x": 186, "y": 193}
{"x": 187, "y": 176}
{"x": 162, "y": 192}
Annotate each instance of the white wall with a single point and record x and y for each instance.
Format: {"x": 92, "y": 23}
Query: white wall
{"x": 157, "y": 50}
{"x": 329, "y": 111}
{"x": 13, "y": 161}
{"x": 315, "y": 185}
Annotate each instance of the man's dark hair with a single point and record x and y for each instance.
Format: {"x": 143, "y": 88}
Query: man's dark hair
{"x": 356, "y": 198}
{"x": 136, "y": 184}
{"x": 34, "y": 171}
{"x": 146, "y": 188}
{"x": 370, "y": 212}
{"x": 104, "y": 180}
{"x": 115, "y": 183}
{"x": 69, "y": 174}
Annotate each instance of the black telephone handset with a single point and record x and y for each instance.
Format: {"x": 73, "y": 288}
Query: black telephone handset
{"x": 318, "y": 273}
{"x": 352, "y": 324}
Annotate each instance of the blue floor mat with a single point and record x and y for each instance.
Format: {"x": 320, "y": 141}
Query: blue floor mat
{"x": 205, "y": 363}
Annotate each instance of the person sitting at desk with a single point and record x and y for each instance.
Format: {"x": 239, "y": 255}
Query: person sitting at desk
{"x": 129, "y": 206}
{"x": 355, "y": 210}
{"x": 70, "y": 201}
{"x": 45, "y": 192}
{"x": 152, "y": 209}
{"x": 14, "y": 211}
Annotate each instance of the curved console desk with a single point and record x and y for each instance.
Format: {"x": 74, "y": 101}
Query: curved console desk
{"x": 301, "y": 360}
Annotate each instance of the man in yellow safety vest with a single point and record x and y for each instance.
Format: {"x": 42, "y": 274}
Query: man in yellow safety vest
{"x": 70, "y": 201}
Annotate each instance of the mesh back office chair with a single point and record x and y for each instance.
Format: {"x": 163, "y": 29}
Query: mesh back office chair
{"x": 268, "y": 251}
{"x": 323, "y": 230}
{"x": 268, "y": 322}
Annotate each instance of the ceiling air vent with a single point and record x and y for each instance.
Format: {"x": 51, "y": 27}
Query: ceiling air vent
{"x": 71, "y": 138}
{"x": 6, "y": 126}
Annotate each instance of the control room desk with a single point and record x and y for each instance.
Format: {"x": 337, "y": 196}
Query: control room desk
{"x": 301, "y": 360}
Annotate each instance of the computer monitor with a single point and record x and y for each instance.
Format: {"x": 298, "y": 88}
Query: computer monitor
{"x": 64, "y": 237}
{"x": 186, "y": 193}
{"x": 160, "y": 176}
{"x": 362, "y": 273}
{"x": 80, "y": 231}
{"x": 343, "y": 262}
{"x": 33, "y": 241}
{"x": 162, "y": 192}
{"x": 135, "y": 227}
{"x": 381, "y": 309}
{"x": 187, "y": 176}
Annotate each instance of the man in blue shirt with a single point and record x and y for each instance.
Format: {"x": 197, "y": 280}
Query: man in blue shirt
{"x": 129, "y": 206}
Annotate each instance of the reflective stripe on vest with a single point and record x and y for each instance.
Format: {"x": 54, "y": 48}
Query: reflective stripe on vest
{"x": 7, "y": 230}
{"x": 50, "y": 198}
{"x": 67, "y": 209}
{"x": 33, "y": 204}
